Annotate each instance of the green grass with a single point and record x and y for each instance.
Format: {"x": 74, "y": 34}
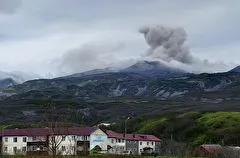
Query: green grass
{"x": 194, "y": 128}
{"x": 150, "y": 124}
{"x": 104, "y": 156}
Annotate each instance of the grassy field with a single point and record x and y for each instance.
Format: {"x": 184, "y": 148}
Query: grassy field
{"x": 105, "y": 156}
{"x": 193, "y": 128}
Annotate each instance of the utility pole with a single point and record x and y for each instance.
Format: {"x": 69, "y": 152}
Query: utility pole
{"x": 171, "y": 137}
{"x": 125, "y": 133}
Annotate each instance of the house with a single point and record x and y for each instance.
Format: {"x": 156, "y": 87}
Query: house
{"x": 64, "y": 141}
{"x": 136, "y": 143}
{"x": 208, "y": 149}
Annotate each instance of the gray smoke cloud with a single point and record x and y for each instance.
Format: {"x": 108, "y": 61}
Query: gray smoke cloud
{"x": 89, "y": 56}
{"x": 9, "y": 6}
{"x": 167, "y": 43}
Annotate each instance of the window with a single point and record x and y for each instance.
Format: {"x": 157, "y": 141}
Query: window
{"x": 15, "y": 139}
{"x": 63, "y": 138}
{"x": 140, "y": 143}
{"x": 72, "y": 148}
{"x": 34, "y": 138}
{"x": 24, "y": 149}
{"x": 73, "y": 137}
{"x": 6, "y": 139}
{"x": 5, "y": 149}
{"x": 152, "y": 143}
{"x": 63, "y": 148}
{"x": 34, "y": 148}
{"x": 15, "y": 149}
{"x": 85, "y": 138}
{"x": 112, "y": 141}
{"x": 119, "y": 140}
{"x": 147, "y": 143}
{"x": 24, "y": 139}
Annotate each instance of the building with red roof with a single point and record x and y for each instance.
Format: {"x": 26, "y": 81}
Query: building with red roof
{"x": 136, "y": 143}
{"x": 74, "y": 141}
{"x": 208, "y": 149}
{"x": 67, "y": 141}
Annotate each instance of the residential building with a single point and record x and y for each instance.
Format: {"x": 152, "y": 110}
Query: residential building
{"x": 136, "y": 143}
{"x": 208, "y": 149}
{"x": 74, "y": 141}
{"x": 64, "y": 141}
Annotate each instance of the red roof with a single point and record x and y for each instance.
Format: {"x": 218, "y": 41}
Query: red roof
{"x": 137, "y": 137}
{"x": 211, "y": 147}
{"x": 48, "y": 131}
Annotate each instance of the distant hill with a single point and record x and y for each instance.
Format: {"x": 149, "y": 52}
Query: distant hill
{"x": 236, "y": 69}
{"x": 4, "y": 83}
{"x": 17, "y": 76}
{"x": 196, "y": 128}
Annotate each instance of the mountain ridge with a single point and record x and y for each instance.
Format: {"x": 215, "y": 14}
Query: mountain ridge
{"x": 110, "y": 95}
{"x": 148, "y": 68}
{"x": 236, "y": 69}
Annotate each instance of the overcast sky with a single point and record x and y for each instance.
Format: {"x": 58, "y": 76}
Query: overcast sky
{"x": 60, "y": 37}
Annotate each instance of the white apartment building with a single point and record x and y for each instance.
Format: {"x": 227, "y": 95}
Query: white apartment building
{"x": 14, "y": 144}
{"x": 64, "y": 141}
{"x": 74, "y": 141}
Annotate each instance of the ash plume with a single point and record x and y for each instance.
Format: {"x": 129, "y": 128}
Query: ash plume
{"x": 167, "y": 43}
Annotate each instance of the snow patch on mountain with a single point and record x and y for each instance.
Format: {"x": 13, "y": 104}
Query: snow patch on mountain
{"x": 160, "y": 93}
{"x": 200, "y": 84}
{"x": 178, "y": 93}
{"x": 222, "y": 84}
{"x": 117, "y": 92}
{"x": 84, "y": 83}
{"x": 141, "y": 90}
{"x": 166, "y": 95}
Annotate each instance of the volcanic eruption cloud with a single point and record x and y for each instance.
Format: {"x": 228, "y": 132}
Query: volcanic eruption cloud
{"x": 167, "y": 43}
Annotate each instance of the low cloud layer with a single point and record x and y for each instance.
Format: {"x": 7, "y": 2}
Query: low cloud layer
{"x": 90, "y": 56}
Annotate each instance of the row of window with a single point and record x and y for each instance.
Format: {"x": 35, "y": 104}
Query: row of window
{"x": 15, "y": 139}
{"x": 148, "y": 143}
{"x": 24, "y": 139}
{"x": 63, "y": 148}
{"x": 15, "y": 150}
{"x": 122, "y": 141}
{"x": 24, "y": 149}
{"x": 84, "y": 138}
{"x": 118, "y": 140}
